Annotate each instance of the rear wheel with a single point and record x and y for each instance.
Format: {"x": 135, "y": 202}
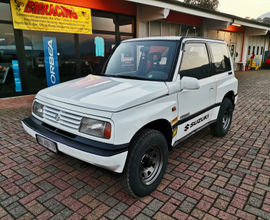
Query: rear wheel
{"x": 146, "y": 163}
{"x": 222, "y": 125}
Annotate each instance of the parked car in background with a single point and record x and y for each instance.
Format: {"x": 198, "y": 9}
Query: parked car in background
{"x": 267, "y": 62}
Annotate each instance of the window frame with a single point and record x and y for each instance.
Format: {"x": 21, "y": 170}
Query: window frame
{"x": 212, "y": 57}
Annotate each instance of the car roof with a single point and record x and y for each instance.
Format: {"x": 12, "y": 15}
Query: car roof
{"x": 173, "y": 38}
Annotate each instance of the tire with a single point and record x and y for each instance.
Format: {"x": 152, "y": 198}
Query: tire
{"x": 146, "y": 163}
{"x": 222, "y": 125}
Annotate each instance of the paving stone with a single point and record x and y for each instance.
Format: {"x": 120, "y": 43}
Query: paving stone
{"x": 191, "y": 200}
{"x": 232, "y": 165}
{"x": 3, "y": 197}
{"x": 64, "y": 214}
{"x": 235, "y": 181}
{"x": 9, "y": 200}
{"x": 206, "y": 182}
{"x": 222, "y": 191}
{"x": 54, "y": 206}
{"x": 148, "y": 212}
{"x": 169, "y": 191}
{"x": 142, "y": 217}
{"x": 121, "y": 206}
{"x": 48, "y": 195}
{"x": 254, "y": 202}
{"x": 257, "y": 212}
{"x": 123, "y": 217}
{"x": 52, "y": 169}
{"x": 21, "y": 194}
{"x": 45, "y": 186}
{"x": 186, "y": 207}
{"x": 112, "y": 214}
{"x": 17, "y": 211}
{"x": 24, "y": 172}
{"x": 110, "y": 201}
{"x": 225, "y": 174}
{"x": 155, "y": 205}
{"x": 179, "y": 196}
{"x": 264, "y": 187}
{"x": 30, "y": 177}
{"x": 79, "y": 194}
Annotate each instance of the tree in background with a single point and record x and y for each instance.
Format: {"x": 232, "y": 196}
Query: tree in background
{"x": 265, "y": 20}
{"x": 209, "y": 4}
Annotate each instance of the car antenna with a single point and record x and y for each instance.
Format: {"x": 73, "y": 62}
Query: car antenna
{"x": 187, "y": 33}
{"x": 184, "y": 38}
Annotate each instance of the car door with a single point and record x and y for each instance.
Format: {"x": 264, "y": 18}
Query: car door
{"x": 195, "y": 106}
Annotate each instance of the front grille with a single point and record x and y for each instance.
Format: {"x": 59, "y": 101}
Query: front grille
{"x": 58, "y": 117}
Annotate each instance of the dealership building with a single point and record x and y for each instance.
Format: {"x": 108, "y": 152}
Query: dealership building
{"x": 43, "y": 43}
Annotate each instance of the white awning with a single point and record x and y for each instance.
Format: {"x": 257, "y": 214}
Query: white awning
{"x": 182, "y": 9}
{"x": 152, "y": 13}
{"x": 218, "y": 20}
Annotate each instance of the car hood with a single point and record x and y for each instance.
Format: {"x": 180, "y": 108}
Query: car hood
{"x": 105, "y": 93}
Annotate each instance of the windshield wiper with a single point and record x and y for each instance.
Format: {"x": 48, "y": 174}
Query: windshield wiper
{"x": 110, "y": 75}
{"x": 132, "y": 77}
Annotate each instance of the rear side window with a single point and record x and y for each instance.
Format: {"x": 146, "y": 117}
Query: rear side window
{"x": 221, "y": 59}
{"x": 195, "y": 62}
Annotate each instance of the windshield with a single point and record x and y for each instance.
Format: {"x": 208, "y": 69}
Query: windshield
{"x": 144, "y": 60}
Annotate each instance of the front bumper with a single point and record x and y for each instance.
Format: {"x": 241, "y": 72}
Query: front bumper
{"x": 108, "y": 156}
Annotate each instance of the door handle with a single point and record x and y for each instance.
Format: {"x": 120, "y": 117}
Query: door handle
{"x": 230, "y": 73}
{"x": 211, "y": 89}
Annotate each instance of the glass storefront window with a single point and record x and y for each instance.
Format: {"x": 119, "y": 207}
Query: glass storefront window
{"x": 104, "y": 24}
{"x": 34, "y": 52}
{"x": 184, "y": 29}
{"x": 175, "y": 29}
{"x": 8, "y": 61}
{"x": 93, "y": 49}
{"x": 5, "y": 13}
{"x": 126, "y": 37}
{"x": 165, "y": 29}
{"x": 126, "y": 24}
{"x": 155, "y": 28}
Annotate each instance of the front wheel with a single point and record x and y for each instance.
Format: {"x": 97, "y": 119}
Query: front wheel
{"x": 222, "y": 125}
{"x": 146, "y": 163}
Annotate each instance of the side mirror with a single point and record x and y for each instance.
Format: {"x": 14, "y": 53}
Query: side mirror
{"x": 190, "y": 83}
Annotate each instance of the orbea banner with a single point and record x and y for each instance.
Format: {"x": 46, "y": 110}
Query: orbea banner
{"x": 48, "y": 16}
{"x": 51, "y": 61}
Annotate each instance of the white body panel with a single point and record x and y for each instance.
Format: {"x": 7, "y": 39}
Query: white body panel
{"x": 132, "y": 120}
{"x": 105, "y": 93}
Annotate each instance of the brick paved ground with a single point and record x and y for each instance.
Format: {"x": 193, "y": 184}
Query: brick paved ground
{"x": 207, "y": 177}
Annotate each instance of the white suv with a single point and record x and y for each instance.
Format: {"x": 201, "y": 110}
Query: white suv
{"x": 146, "y": 97}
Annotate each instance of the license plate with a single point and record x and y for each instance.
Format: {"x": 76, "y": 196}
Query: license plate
{"x": 47, "y": 143}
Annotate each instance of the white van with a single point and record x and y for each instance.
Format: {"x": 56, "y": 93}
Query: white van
{"x": 147, "y": 96}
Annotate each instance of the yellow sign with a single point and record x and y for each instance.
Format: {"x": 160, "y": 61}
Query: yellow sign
{"x": 48, "y": 16}
{"x": 175, "y": 120}
{"x": 174, "y": 132}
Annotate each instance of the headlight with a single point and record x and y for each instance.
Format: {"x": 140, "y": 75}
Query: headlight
{"x": 96, "y": 128}
{"x": 38, "y": 109}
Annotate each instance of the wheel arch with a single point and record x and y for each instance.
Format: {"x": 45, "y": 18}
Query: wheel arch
{"x": 164, "y": 127}
{"x": 230, "y": 95}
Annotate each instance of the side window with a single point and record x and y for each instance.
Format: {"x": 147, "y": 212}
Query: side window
{"x": 221, "y": 60}
{"x": 195, "y": 62}
{"x": 249, "y": 50}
